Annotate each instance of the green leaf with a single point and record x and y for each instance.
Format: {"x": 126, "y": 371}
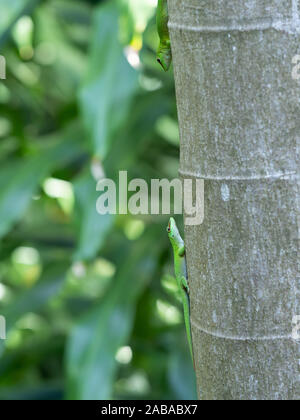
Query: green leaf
{"x": 110, "y": 84}
{"x": 19, "y": 182}
{"x": 93, "y": 227}
{"x": 92, "y": 346}
{"x": 33, "y": 299}
{"x": 11, "y": 10}
{"x": 20, "y": 179}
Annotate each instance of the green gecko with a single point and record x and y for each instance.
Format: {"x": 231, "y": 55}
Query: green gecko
{"x": 164, "y": 53}
{"x": 181, "y": 276}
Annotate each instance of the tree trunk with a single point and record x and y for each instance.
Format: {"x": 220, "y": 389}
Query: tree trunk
{"x": 238, "y": 107}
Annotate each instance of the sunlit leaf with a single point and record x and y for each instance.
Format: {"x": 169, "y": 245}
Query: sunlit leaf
{"x": 20, "y": 179}
{"x": 34, "y": 298}
{"x": 108, "y": 90}
{"x": 10, "y": 11}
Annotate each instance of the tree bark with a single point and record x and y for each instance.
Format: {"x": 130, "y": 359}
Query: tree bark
{"x": 238, "y": 109}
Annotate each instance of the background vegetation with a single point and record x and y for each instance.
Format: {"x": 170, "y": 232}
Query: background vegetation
{"x": 91, "y": 307}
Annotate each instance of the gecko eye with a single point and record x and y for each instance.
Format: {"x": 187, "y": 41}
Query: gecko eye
{"x": 169, "y": 228}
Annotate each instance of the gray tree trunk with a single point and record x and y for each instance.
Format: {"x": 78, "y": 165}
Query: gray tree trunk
{"x": 238, "y": 109}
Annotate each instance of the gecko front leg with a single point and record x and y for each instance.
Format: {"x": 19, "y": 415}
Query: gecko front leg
{"x": 164, "y": 53}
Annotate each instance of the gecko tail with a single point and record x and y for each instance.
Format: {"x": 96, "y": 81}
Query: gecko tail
{"x": 164, "y": 56}
{"x": 186, "y": 309}
{"x": 192, "y": 355}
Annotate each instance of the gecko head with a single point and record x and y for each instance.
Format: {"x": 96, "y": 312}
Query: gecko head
{"x": 164, "y": 59}
{"x": 174, "y": 235}
{"x": 172, "y": 228}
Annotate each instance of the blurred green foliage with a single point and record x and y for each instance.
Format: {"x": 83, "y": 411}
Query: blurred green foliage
{"x": 91, "y": 307}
